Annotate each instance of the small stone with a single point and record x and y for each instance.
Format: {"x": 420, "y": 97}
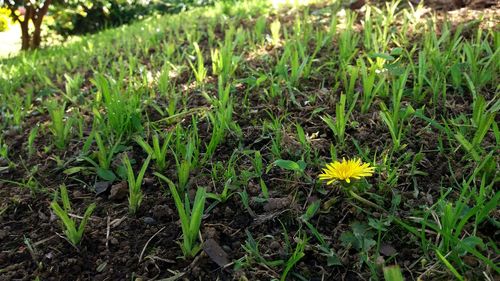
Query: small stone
{"x": 275, "y": 245}
{"x": 42, "y": 216}
{"x": 113, "y": 241}
{"x": 148, "y": 182}
{"x": 387, "y": 250}
{"x": 77, "y": 194}
{"x": 119, "y": 191}
{"x": 228, "y": 212}
{"x": 149, "y": 220}
{"x": 380, "y": 261}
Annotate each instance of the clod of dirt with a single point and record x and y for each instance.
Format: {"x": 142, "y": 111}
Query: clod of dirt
{"x": 162, "y": 211}
{"x": 277, "y": 204}
{"x": 387, "y": 250}
{"x": 11, "y": 132}
{"x": 357, "y": 4}
{"x": 215, "y": 252}
{"x": 119, "y": 191}
{"x": 211, "y": 233}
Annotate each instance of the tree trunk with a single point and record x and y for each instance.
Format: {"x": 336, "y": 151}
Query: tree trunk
{"x": 25, "y": 35}
{"x": 37, "y": 38}
{"x": 37, "y": 19}
{"x": 25, "y": 32}
{"x": 35, "y": 14}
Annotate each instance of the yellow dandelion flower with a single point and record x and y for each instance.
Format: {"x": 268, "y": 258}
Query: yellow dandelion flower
{"x": 346, "y": 170}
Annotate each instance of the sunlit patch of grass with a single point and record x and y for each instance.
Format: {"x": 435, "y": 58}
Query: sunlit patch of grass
{"x": 239, "y": 105}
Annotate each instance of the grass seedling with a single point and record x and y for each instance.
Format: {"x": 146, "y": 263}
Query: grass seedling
{"x": 31, "y": 140}
{"x": 134, "y": 184}
{"x": 224, "y": 62}
{"x": 199, "y": 70}
{"x": 73, "y": 233}
{"x": 190, "y": 217}
{"x": 104, "y": 156}
{"x": 253, "y": 254}
{"x": 297, "y": 255}
{"x": 220, "y": 120}
{"x": 339, "y": 124}
{"x": 186, "y": 154}
{"x": 395, "y": 118}
{"x": 370, "y": 88}
{"x": 275, "y": 32}
{"x": 450, "y": 220}
{"x": 59, "y": 127}
{"x": 158, "y": 153}
{"x": 123, "y": 107}
{"x": 17, "y": 109}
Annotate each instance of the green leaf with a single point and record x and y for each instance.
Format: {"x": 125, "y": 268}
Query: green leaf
{"x": 311, "y": 210}
{"x": 332, "y": 259}
{"x": 449, "y": 266}
{"x": 288, "y": 165}
{"x": 382, "y": 56}
{"x": 393, "y": 273}
{"x": 74, "y": 170}
{"x": 106, "y": 174}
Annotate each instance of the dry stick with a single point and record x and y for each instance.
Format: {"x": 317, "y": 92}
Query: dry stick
{"x": 108, "y": 228}
{"x": 144, "y": 249}
{"x": 44, "y": 240}
{"x": 81, "y": 218}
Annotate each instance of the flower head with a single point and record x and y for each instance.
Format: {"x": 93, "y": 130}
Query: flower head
{"x": 345, "y": 170}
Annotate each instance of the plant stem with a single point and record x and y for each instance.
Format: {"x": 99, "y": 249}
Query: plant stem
{"x": 363, "y": 200}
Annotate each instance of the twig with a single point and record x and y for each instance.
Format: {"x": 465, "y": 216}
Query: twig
{"x": 108, "y": 228}
{"x": 144, "y": 249}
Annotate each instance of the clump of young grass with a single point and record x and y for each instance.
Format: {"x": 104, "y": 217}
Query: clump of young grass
{"x": 190, "y": 217}
{"x": 73, "y": 233}
{"x": 135, "y": 194}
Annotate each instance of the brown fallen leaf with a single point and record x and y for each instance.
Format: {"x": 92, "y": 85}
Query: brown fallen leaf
{"x": 215, "y": 252}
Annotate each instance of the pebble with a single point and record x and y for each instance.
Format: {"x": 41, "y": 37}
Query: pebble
{"x": 148, "y": 182}
{"x": 149, "y": 220}
{"x": 228, "y": 212}
{"x": 113, "y": 241}
{"x": 226, "y": 248}
{"x": 275, "y": 245}
{"x": 3, "y": 234}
